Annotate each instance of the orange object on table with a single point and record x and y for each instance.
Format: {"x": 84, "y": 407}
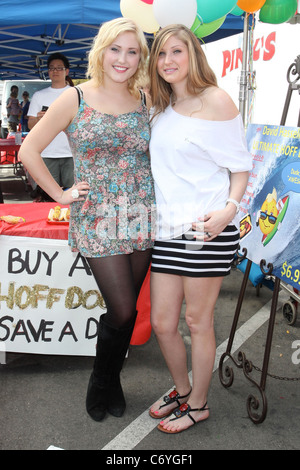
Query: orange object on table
{"x": 142, "y": 329}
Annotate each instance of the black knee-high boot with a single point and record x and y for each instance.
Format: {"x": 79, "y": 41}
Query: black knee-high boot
{"x": 104, "y": 389}
{"x": 97, "y": 392}
{"x": 116, "y": 402}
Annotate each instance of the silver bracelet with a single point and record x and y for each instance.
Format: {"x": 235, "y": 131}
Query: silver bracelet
{"x": 236, "y": 203}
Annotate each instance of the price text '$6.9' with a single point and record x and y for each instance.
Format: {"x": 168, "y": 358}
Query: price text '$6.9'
{"x": 290, "y": 273}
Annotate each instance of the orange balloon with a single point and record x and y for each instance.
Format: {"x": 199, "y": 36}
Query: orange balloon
{"x": 250, "y": 6}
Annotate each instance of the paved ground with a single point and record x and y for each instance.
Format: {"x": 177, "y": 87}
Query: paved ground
{"x": 43, "y": 397}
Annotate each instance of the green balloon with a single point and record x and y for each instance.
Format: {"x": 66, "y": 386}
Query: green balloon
{"x": 277, "y": 11}
{"x": 205, "y": 29}
{"x": 211, "y": 10}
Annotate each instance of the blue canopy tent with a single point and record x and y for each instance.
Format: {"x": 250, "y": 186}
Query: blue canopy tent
{"x": 30, "y": 30}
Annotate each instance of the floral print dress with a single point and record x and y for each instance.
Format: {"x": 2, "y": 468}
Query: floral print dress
{"x": 110, "y": 154}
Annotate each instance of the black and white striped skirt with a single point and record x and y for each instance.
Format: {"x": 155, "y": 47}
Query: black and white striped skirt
{"x": 190, "y": 257}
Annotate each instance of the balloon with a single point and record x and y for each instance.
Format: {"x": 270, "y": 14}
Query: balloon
{"x": 175, "y": 11}
{"x": 210, "y": 10}
{"x": 205, "y": 29}
{"x": 236, "y": 11}
{"x": 250, "y": 6}
{"x": 277, "y": 11}
{"x": 141, "y": 13}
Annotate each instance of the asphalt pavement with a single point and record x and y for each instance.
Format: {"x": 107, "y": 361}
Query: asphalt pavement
{"x": 43, "y": 397}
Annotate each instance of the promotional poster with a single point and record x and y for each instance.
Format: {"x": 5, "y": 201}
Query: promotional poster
{"x": 270, "y": 209}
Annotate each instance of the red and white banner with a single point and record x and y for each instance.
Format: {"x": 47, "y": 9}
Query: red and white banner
{"x": 273, "y": 48}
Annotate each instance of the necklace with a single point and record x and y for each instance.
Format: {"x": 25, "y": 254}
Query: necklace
{"x": 176, "y": 101}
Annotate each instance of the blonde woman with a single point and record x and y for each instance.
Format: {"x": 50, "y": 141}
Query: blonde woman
{"x": 106, "y": 121}
{"x": 200, "y": 167}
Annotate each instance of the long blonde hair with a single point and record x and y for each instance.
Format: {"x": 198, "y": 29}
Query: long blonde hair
{"x": 106, "y": 36}
{"x": 200, "y": 75}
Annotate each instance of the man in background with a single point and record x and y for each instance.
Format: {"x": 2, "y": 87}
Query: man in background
{"x": 57, "y": 155}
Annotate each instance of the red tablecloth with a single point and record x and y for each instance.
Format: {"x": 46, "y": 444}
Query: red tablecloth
{"x": 36, "y": 221}
{"x": 8, "y": 150}
{"x": 36, "y": 225}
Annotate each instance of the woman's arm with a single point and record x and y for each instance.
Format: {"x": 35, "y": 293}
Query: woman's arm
{"x": 238, "y": 185}
{"x": 56, "y": 119}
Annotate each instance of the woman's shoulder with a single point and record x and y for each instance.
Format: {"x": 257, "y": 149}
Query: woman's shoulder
{"x": 87, "y": 84}
{"x": 221, "y": 104}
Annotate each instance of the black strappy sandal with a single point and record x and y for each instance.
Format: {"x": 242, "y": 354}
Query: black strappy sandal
{"x": 183, "y": 410}
{"x": 169, "y": 399}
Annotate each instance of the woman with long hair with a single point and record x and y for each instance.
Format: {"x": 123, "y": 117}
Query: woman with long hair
{"x": 200, "y": 167}
{"x": 107, "y": 123}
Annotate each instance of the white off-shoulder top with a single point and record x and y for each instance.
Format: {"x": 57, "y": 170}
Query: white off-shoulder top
{"x": 191, "y": 161}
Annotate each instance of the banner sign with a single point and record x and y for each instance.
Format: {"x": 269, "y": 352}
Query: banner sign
{"x": 270, "y": 209}
{"x": 49, "y": 300}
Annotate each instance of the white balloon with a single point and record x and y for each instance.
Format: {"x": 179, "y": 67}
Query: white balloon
{"x": 141, "y": 13}
{"x": 175, "y": 11}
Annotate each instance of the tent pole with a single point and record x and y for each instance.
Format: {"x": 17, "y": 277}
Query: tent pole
{"x": 244, "y": 72}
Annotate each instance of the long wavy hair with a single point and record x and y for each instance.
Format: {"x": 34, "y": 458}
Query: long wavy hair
{"x": 200, "y": 75}
{"x": 106, "y": 36}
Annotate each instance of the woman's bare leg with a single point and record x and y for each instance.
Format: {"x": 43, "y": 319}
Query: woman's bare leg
{"x": 166, "y": 302}
{"x": 201, "y": 295}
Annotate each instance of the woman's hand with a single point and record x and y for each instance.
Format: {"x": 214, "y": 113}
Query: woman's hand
{"x": 212, "y": 224}
{"x": 76, "y": 193}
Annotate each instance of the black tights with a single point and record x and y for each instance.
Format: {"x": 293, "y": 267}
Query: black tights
{"x": 120, "y": 278}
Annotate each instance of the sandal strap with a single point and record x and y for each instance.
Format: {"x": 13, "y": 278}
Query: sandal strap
{"x": 185, "y": 409}
{"x": 172, "y": 397}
